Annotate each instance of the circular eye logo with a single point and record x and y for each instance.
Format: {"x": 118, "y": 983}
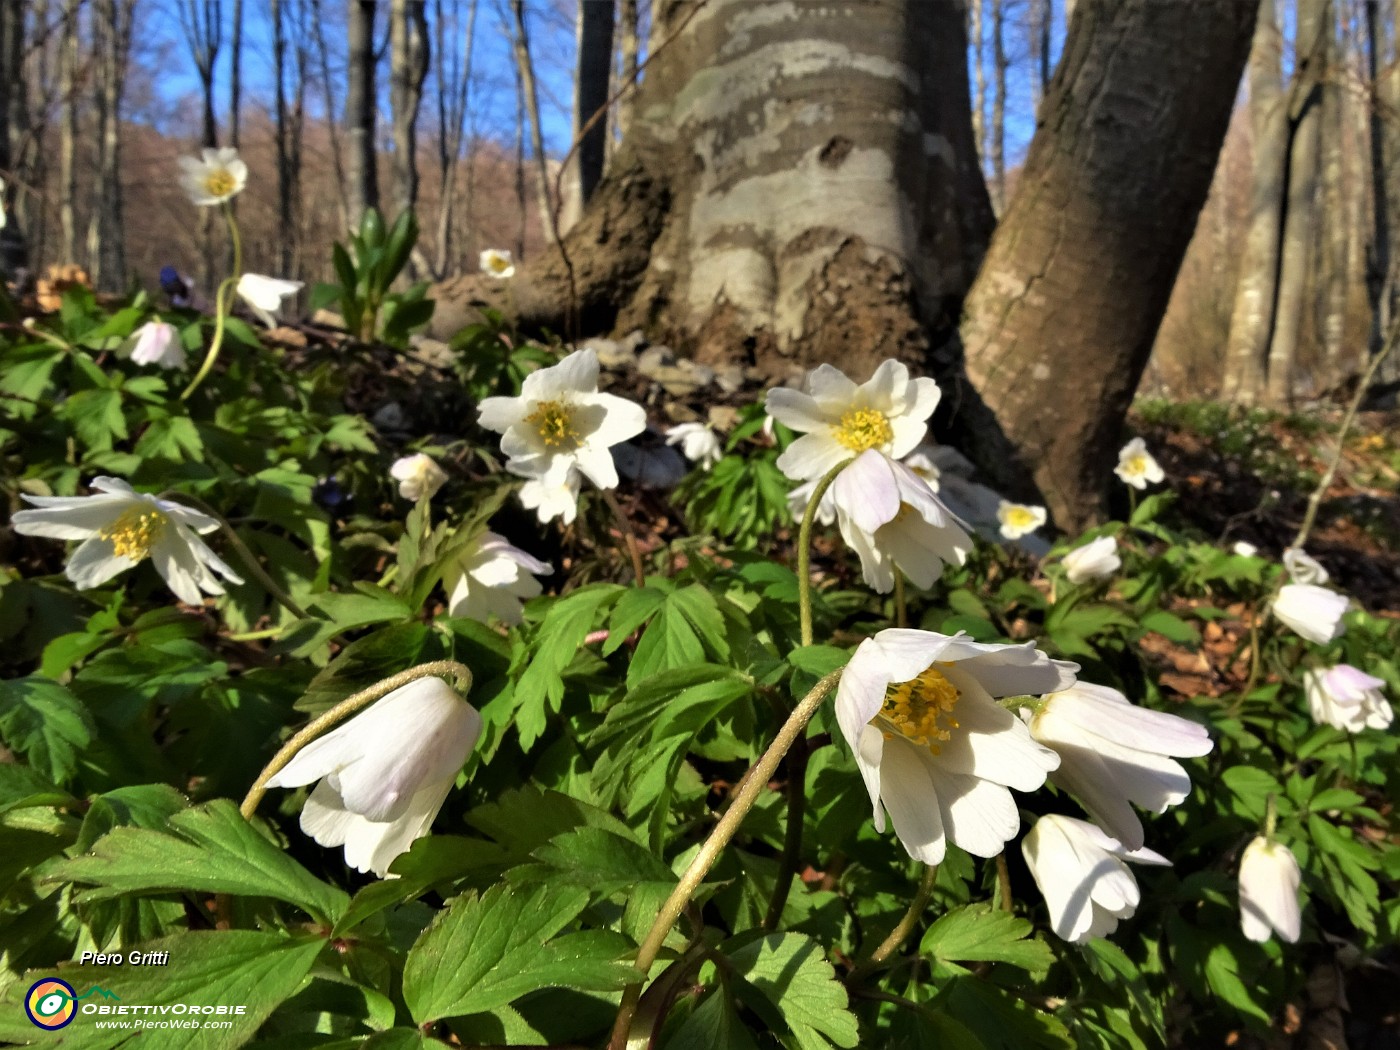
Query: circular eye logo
{"x": 51, "y": 1003}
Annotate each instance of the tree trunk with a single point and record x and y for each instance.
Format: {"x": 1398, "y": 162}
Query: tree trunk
{"x": 68, "y": 130}
{"x": 998, "y": 144}
{"x": 13, "y": 250}
{"x": 526, "y": 70}
{"x": 1379, "y": 282}
{"x": 595, "y": 50}
{"x": 454, "y": 92}
{"x": 1061, "y": 320}
{"x": 1313, "y": 32}
{"x": 1334, "y": 231}
{"x": 795, "y": 189}
{"x": 361, "y": 108}
{"x": 1252, "y": 320}
{"x": 1044, "y": 29}
{"x": 287, "y": 189}
{"x": 235, "y": 75}
{"x": 631, "y": 47}
{"x": 979, "y": 80}
{"x": 408, "y": 68}
{"x": 112, "y": 21}
{"x": 332, "y": 125}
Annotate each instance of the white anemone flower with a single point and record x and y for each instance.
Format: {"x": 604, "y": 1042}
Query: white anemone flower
{"x": 385, "y": 773}
{"x": 120, "y": 528}
{"x": 923, "y": 461}
{"x": 264, "y": 295}
{"x": 1019, "y": 519}
{"x": 1245, "y": 549}
{"x": 491, "y": 577}
{"x": 1094, "y": 562}
{"x": 891, "y": 518}
{"x": 1082, "y": 875}
{"x": 498, "y": 263}
{"x": 1313, "y": 612}
{"x": 1347, "y": 698}
{"x": 155, "y": 343}
{"x": 698, "y": 443}
{"x": 214, "y": 177}
{"x": 1114, "y": 754}
{"x": 1136, "y": 467}
{"x": 553, "y": 496}
{"x": 799, "y": 497}
{"x": 838, "y": 419}
{"x": 935, "y": 749}
{"x": 1269, "y": 880}
{"x": 560, "y": 420}
{"x": 419, "y": 477}
{"x": 1303, "y": 568}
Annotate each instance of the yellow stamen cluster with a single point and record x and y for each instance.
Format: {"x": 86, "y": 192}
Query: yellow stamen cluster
{"x": 219, "y": 183}
{"x": 135, "y": 532}
{"x": 864, "y": 428}
{"x": 1019, "y": 517}
{"x": 921, "y": 709}
{"x": 1135, "y": 465}
{"x": 497, "y": 263}
{"x": 554, "y": 423}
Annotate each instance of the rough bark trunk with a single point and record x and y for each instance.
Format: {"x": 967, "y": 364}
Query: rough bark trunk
{"x": 1061, "y": 320}
{"x": 1252, "y": 319}
{"x": 631, "y": 48}
{"x": 595, "y": 50}
{"x": 525, "y": 69}
{"x": 1314, "y": 29}
{"x": 408, "y": 68}
{"x": 799, "y": 185}
{"x": 979, "y": 80}
{"x": 287, "y": 188}
{"x": 1378, "y": 257}
{"x": 361, "y": 109}
{"x": 68, "y": 131}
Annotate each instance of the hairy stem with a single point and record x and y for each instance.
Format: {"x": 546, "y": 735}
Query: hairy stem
{"x": 904, "y": 927}
{"x": 629, "y": 538}
{"x": 804, "y": 551}
{"x": 755, "y": 783}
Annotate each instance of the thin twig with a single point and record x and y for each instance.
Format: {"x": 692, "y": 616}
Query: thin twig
{"x": 629, "y": 537}
{"x": 904, "y": 927}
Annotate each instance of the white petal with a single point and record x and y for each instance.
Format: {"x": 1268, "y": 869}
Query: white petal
{"x": 94, "y": 563}
{"x": 912, "y": 802}
{"x": 979, "y": 816}
{"x": 812, "y": 456}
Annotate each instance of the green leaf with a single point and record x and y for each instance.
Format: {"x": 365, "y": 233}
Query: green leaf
{"x": 230, "y": 968}
{"x": 44, "y": 722}
{"x": 981, "y": 933}
{"x": 787, "y": 981}
{"x": 1171, "y": 627}
{"x": 600, "y": 860}
{"x": 687, "y": 628}
{"x": 712, "y": 1025}
{"x": 483, "y": 952}
{"x": 211, "y": 849}
{"x": 22, "y": 788}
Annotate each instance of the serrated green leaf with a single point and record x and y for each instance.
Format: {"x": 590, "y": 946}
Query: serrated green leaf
{"x": 981, "y": 933}
{"x": 210, "y": 848}
{"x": 787, "y": 980}
{"x": 483, "y": 952}
{"x": 44, "y": 722}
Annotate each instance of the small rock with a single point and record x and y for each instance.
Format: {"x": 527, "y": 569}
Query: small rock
{"x": 635, "y": 342}
{"x": 730, "y": 378}
{"x": 611, "y": 353}
{"x": 434, "y": 352}
{"x": 676, "y": 381}
{"x": 327, "y": 319}
{"x": 654, "y": 359}
{"x": 702, "y": 374}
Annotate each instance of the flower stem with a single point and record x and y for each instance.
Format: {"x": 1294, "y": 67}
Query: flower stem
{"x": 804, "y": 551}
{"x": 1319, "y": 493}
{"x": 901, "y": 611}
{"x": 246, "y": 556}
{"x": 792, "y": 840}
{"x": 904, "y": 927}
{"x": 629, "y": 538}
{"x": 755, "y": 783}
{"x": 1004, "y": 882}
{"x": 221, "y": 311}
{"x": 348, "y": 706}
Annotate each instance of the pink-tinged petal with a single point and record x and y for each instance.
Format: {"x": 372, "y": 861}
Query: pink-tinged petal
{"x": 867, "y": 493}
